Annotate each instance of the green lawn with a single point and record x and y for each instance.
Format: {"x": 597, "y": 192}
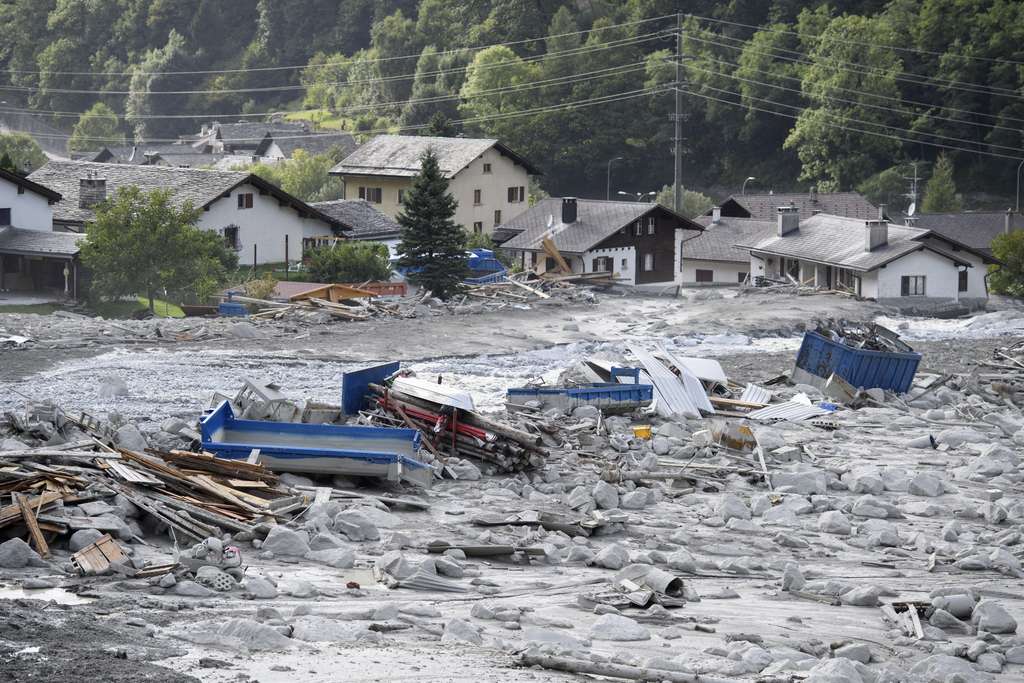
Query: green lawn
{"x": 325, "y": 119}
{"x": 41, "y": 309}
{"x": 125, "y": 309}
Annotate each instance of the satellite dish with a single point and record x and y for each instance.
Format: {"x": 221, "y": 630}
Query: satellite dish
{"x": 912, "y": 209}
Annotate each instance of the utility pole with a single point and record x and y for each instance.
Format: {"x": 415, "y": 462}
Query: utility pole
{"x": 677, "y": 185}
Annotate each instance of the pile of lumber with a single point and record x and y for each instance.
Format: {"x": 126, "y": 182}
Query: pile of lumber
{"x": 193, "y": 495}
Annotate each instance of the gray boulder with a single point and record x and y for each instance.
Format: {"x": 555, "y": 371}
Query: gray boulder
{"x": 287, "y": 542}
{"x": 990, "y": 616}
{"x": 615, "y": 627}
{"x": 16, "y": 554}
{"x": 82, "y": 538}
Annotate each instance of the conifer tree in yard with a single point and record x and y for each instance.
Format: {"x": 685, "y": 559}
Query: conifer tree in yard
{"x": 433, "y": 246}
{"x": 940, "y": 193}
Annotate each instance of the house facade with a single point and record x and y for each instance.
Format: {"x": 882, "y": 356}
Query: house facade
{"x": 263, "y": 223}
{"x": 895, "y": 265}
{"x": 34, "y": 258}
{"x": 713, "y": 259}
{"x": 636, "y": 243}
{"x": 489, "y": 181}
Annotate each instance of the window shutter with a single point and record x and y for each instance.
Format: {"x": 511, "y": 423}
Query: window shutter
{"x": 905, "y": 286}
{"x": 362, "y": 193}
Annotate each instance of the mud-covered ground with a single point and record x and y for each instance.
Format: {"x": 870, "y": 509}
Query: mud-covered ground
{"x": 125, "y": 630}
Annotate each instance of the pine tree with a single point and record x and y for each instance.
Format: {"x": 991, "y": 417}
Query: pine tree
{"x": 433, "y": 246}
{"x": 940, "y": 193}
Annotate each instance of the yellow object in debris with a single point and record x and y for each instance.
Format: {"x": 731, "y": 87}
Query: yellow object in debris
{"x": 642, "y": 431}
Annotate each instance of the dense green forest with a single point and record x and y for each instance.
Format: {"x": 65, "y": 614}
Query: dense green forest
{"x": 841, "y": 95}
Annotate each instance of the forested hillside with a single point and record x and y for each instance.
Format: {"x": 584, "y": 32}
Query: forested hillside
{"x": 794, "y": 93}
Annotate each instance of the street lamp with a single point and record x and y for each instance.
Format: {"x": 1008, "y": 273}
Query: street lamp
{"x": 638, "y": 195}
{"x": 1021, "y": 164}
{"x": 744, "y": 190}
{"x": 608, "y": 179}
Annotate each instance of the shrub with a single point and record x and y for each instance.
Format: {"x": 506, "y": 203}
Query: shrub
{"x": 350, "y": 261}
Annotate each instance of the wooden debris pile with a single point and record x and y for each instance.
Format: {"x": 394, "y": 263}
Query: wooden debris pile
{"x": 192, "y": 495}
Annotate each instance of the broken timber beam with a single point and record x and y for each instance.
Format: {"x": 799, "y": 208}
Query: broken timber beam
{"x": 33, "y": 527}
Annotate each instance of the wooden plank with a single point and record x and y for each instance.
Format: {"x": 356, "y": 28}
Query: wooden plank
{"x": 531, "y": 290}
{"x": 33, "y": 527}
{"x": 12, "y": 513}
{"x": 551, "y": 250}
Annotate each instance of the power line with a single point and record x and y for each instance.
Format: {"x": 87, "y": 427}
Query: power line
{"x": 866, "y": 71}
{"x": 891, "y": 110}
{"x": 844, "y": 127}
{"x": 381, "y": 79}
{"x": 560, "y": 80}
{"x": 330, "y": 64}
{"x": 888, "y": 98}
{"x": 575, "y": 104}
{"x": 818, "y": 36}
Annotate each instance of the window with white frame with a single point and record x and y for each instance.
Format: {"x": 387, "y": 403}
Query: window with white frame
{"x": 912, "y": 285}
{"x": 374, "y": 195}
{"x": 650, "y": 225}
{"x": 638, "y": 228}
{"x": 516, "y": 194}
{"x": 648, "y": 263}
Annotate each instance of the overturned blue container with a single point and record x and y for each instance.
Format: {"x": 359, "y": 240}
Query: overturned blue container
{"x": 355, "y": 451}
{"x": 820, "y": 357}
{"x": 605, "y": 395}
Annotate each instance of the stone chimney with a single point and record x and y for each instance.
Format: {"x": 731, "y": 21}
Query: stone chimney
{"x": 568, "y": 210}
{"x": 881, "y": 212}
{"x": 92, "y": 190}
{"x": 716, "y": 215}
{"x": 876, "y": 234}
{"x": 814, "y": 194}
{"x": 789, "y": 220}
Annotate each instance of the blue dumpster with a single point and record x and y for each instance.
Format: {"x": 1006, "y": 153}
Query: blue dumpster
{"x": 862, "y": 368}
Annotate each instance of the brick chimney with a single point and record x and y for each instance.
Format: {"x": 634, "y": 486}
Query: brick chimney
{"x": 789, "y": 220}
{"x": 876, "y": 234}
{"x": 568, "y": 210}
{"x": 92, "y": 190}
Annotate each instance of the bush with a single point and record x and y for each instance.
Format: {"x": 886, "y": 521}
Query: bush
{"x": 350, "y": 261}
{"x": 1009, "y": 277}
{"x": 261, "y": 287}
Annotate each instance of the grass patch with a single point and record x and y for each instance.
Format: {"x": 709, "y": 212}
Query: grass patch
{"x": 127, "y": 308}
{"x": 40, "y": 309}
{"x": 323, "y": 118}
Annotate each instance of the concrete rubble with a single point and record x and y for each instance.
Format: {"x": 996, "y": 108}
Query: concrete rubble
{"x": 879, "y": 539}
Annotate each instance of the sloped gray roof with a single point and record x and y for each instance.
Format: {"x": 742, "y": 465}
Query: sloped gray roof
{"x": 976, "y": 229}
{"x": 50, "y": 194}
{"x": 399, "y": 155}
{"x": 249, "y": 133}
{"x": 718, "y": 241}
{"x": 315, "y": 143}
{"x": 38, "y": 242}
{"x": 596, "y": 220}
{"x": 362, "y": 219}
{"x": 200, "y": 187}
{"x": 839, "y": 241}
{"x": 764, "y": 206}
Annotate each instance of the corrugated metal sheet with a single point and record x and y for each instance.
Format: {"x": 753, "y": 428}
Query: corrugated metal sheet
{"x": 791, "y": 411}
{"x": 673, "y": 399}
{"x": 691, "y": 382}
{"x": 756, "y": 394}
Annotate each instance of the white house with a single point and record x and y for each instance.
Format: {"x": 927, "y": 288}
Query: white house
{"x": 637, "y": 243}
{"x": 893, "y": 264}
{"x": 34, "y": 258}
{"x": 713, "y": 258}
{"x": 262, "y": 222}
{"x": 489, "y": 180}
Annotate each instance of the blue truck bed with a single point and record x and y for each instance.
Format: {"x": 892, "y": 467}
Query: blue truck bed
{"x": 819, "y": 357}
{"x": 605, "y": 395}
{"x": 381, "y": 452}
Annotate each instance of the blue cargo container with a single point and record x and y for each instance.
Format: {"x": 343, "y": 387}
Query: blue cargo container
{"x": 819, "y": 357}
{"x": 607, "y": 396}
{"x": 381, "y": 452}
{"x": 232, "y": 308}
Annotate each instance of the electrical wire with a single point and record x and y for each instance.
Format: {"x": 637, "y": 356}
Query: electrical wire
{"x": 848, "y": 128}
{"x": 877, "y": 96}
{"x": 509, "y": 43}
{"x": 931, "y": 53}
{"x": 864, "y": 71}
{"x": 565, "y": 106}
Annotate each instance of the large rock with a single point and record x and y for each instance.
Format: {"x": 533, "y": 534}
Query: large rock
{"x": 834, "y": 522}
{"x": 356, "y": 525}
{"x": 260, "y": 588}
{"x": 339, "y": 558}
{"x": 612, "y": 557}
{"x": 191, "y": 589}
{"x": 618, "y": 628}
{"x": 990, "y": 616}
{"x": 732, "y": 506}
{"x": 605, "y": 495}
{"x": 284, "y": 541}
{"x": 16, "y": 554}
{"x": 927, "y": 485}
{"x": 460, "y": 631}
{"x": 839, "y": 670}
{"x": 946, "y": 669}
{"x": 800, "y": 482}
{"x": 130, "y": 438}
{"x": 82, "y": 538}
